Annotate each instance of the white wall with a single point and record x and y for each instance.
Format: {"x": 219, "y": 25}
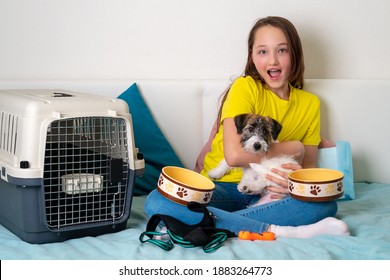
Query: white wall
{"x": 180, "y": 39}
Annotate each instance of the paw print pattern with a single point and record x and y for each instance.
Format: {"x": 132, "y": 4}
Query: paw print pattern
{"x": 329, "y": 189}
{"x": 315, "y": 190}
{"x": 340, "y": 186}
{"x": 301, "y": 189}
{"x": 161, "y": 181}
{"x": 170, "y": 187}
{"x": 207, "y": 197}
{"x": 290, "y": 186}
{"x": 182, "y": 192}
{"x": 196, "y": 196}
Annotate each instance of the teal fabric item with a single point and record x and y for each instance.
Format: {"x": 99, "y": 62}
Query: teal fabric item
{"x": 339, "y": 158}
{"x": 367, "y": 217}
{"x": 149, "y": 140}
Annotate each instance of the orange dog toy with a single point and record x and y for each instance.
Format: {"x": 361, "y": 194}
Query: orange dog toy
{"x": 247, "y": 235}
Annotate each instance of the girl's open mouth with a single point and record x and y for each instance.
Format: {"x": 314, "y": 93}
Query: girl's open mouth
{"x": 274, "y": 73}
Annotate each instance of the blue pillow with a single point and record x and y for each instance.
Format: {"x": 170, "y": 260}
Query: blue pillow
{"x": 339, "y": 158}
{"x": 149, "y": 140}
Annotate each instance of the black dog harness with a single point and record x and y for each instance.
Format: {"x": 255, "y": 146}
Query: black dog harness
{"x": 202, "y": 234}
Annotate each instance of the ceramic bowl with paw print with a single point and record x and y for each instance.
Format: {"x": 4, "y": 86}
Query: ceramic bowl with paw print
{"x": 182, "y": 185}
{"x": 316, "y": 184}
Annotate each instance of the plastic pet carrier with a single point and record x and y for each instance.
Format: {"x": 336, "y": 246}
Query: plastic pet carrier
{"x": 68, "y": 163}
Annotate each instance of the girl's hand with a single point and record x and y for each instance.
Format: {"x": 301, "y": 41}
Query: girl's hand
{"x": 283, "y": 190}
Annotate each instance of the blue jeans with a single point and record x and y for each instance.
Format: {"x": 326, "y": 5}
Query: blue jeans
{"x": 231, "y": 211}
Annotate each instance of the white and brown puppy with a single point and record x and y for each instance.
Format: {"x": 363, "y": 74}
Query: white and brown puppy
{"x": 256, "y": 135}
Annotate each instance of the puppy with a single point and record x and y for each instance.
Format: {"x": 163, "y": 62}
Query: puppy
{"x": 254, "y": 182}
{"x": 256, "y": 135}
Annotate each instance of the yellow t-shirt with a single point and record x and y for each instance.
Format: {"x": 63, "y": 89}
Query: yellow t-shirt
{"x": 299, "y": 117}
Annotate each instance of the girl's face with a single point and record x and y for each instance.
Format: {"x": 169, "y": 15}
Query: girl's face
{"x": 271, "y": 56}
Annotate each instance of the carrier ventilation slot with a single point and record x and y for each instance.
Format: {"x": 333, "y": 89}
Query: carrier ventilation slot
{"x": 8, "y": 132}
{"x": 79, "y": 185}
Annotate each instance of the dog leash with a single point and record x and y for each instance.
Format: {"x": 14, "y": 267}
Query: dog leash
{"x": 203, "y": 234}
{"x": 215, "y": 243}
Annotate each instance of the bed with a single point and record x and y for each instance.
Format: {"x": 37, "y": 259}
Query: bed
{"x": 367, "y": 216}
{"x": 352, "y": 110}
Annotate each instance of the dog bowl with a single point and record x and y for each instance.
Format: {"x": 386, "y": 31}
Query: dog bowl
{"x": 182, "y": 185}
{"x": 316, "y": 184}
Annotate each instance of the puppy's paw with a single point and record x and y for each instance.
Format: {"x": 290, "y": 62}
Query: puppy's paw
{"x": 219, "y": 171}
{"x": 215, "y": 174}
{"x": 250, "y": 187}
{"x": 243, "y": 188}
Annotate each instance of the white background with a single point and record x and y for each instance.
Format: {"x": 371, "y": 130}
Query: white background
{"x": 181, "y": 39}
{"x": 281, "y": 269}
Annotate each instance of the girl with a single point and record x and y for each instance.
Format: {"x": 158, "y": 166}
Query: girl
{"x": 271, "y": 86}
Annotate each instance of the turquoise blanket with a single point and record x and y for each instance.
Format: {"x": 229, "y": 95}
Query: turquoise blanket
{"x": 368, "y": 217}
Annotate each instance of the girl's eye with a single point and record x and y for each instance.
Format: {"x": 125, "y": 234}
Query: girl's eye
{"x": 261, "y": 52}
{"x": 283, "y": 50}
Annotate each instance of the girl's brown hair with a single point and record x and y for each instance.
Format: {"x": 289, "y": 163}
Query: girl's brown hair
{"x": 295, "y": 50}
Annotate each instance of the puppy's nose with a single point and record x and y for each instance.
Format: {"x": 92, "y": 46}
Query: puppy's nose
{"x": 256, "y": 146}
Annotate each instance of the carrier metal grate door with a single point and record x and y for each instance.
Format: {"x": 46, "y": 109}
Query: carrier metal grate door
{"x": 85, "y": 171}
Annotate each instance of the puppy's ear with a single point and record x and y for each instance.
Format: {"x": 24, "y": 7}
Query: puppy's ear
{"x": 240, "y": 121}
{"x": 276, "y": 128}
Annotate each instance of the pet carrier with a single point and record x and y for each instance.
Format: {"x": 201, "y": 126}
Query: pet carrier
{"x": 68, "y": 163}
